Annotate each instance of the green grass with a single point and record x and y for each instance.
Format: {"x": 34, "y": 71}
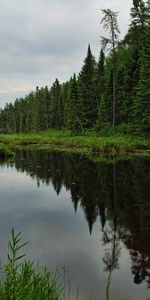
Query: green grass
{"x": 23, "y": 281}
{"x": 89, "y": 142}
{"x": 5, "y": 151}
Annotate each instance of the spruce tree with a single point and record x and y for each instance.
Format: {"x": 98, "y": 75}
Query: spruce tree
{"x": 56, "y": 106}
{"x": 135, "y": 38}
{"x": 99, "y": 77}
{"x": 86, "y": 90}
{"x": 74, "y": 113}
{"x": 102, "y": 116}
{"x": 110, "y": 24}
{"x": 65, "y": 97}
{"x": 100, "y": 88}
{"x": 141, "y": 107}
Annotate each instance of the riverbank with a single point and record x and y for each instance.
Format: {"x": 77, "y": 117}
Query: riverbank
{"x": 5, "y": 151}
{"x": 88, "y": 143}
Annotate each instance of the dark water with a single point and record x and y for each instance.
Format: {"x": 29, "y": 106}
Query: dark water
{"x": 92, "y": 218}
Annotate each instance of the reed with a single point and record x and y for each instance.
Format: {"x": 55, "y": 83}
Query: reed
{"x": 22, "y": 280}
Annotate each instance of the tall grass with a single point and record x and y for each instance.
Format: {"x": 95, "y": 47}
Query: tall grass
{"x": 5, "y": 151}
{"x": 22, "y": 280}
{"x": 88, "y": 142}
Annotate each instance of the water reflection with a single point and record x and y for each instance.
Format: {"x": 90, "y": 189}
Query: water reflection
{"x": 117, "y": 194}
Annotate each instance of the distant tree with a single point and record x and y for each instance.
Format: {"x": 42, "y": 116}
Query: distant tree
{"x": 75, "y": 110}
{"x": 86, "y": 90}
{"x": 140, "y": 14}
{"x": 106, "y": 104}
{"x": 56, "y": 106}
{"x": 135, "y": 36}
{"x": 141, "y": 107}
{"x": 65, "y": 97}
{"x": 99, "y": 78}
{"x": 110, "y": 24}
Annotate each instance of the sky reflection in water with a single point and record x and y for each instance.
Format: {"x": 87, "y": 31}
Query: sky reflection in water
{"x": 57, "y": 200}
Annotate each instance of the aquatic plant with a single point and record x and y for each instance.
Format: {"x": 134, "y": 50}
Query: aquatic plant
{"x": 22, "y": 280}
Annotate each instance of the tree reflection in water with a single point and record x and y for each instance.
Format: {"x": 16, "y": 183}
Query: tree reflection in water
{"x": 117, "y": 192}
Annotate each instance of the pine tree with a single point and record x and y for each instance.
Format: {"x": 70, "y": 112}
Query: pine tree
{"x": 109, "y": 22}
{"x": 56, "y": 106}
{"x": 86, "y": 90}
{"x": 140, "y": 14}
{"x": 65, "y": 97}
{"x": 99, "y": 77}
{"x": 74, "y": 116}
{"x": 135, "y": 38}
{"x": 141, "y": 108}
{"x": 102, "y": 116}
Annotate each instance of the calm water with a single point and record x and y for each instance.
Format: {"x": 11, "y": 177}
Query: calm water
{"x": 94, "y": 219}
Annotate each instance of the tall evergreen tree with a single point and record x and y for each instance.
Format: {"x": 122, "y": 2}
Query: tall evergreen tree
{"x": 56, "y": 106}
{"x": 141, "y": 108}
{"x": 74, "y": 117}
{"x": 99, "y": 77}
{"x": 110, "y": 24}
{"x": 86, "y": 90}
{"x": 65, "y": 97}
{"x": 135, "y": 38}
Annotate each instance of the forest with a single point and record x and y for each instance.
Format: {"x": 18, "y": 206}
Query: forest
{"x": 108, "y": 94}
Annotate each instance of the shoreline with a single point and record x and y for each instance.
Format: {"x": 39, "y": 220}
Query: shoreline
{"x": 87, "y": 144}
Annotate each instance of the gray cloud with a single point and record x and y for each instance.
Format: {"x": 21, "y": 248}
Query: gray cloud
{"x": 45, "y": 39}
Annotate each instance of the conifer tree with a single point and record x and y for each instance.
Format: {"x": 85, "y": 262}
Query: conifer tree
{"x": 65, "y": 97}
{"x": 110, "y": 24}
{"x": 86, "y": 90}
{"x": 99, "y": 77}
{"x": 135, "y": 38}
{"x": 141, "y": 108}
{"x": 74, "y": 117}
{"x": 102, "y": 116}
{"x": 56, "y": 105}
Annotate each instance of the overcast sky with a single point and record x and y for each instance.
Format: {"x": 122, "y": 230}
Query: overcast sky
{"x": 46, "y": 39}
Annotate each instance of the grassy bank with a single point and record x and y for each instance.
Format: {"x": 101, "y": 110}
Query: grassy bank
{"x": 5, "y": 151}
{"x": 24, "y": 281}
{"x": 87, "y": 143}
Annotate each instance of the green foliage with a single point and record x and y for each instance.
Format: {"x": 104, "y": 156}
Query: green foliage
{"x": 74, "y": 108}
{"x": 22, "y": 280}
{"x": 104, "y": 141}
{"x": 86, "y": 90}
{"x": 107, "y": 93}
{"x": 142, "y": 97}
{"x": 110, "y": 24}
{"x": 99, "y": 78}
{"x": 57, "y": 108}
{"x": 5, "y": 151}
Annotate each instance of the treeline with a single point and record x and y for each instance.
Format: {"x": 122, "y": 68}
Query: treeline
{"x": 113, "y": 92}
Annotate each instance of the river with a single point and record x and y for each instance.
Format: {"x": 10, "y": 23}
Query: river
{"x": 91, "y": 218}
